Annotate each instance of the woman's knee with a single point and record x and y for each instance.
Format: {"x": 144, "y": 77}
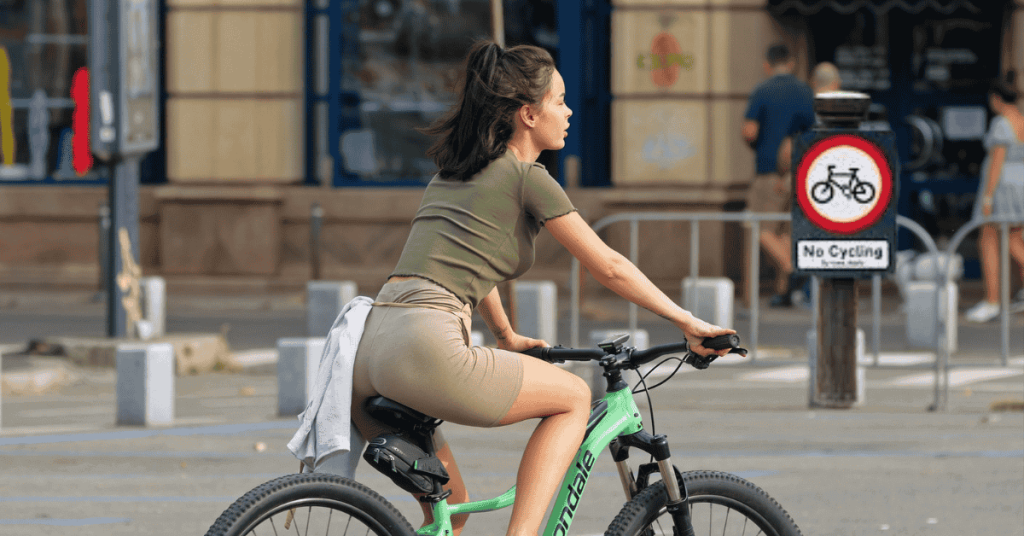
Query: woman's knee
{"x": 548, "y": 390}
{"x": 579, "y": 393}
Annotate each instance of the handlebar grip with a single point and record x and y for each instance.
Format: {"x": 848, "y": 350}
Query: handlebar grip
{"x": 540, "y": 352}
{"x": 722, "y": 342}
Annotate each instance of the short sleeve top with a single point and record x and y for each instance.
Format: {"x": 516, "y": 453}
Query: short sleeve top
{"x": 468, "y": 236}
{"x": 781, "y": 105}
{"x": 1001, "y": 132}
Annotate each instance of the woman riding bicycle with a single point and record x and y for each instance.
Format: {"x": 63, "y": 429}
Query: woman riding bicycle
{"x": 475, "y": 228}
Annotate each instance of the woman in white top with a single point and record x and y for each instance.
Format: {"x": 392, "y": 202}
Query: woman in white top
{"x": 1002, "y": 192}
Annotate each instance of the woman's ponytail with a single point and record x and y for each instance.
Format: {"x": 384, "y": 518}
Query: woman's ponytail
{"x": 494, "y": 84}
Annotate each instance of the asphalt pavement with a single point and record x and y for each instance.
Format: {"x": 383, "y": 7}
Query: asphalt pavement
{"x": 888, "y": 466}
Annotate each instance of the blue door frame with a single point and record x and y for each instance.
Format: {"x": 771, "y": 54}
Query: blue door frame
{"x": 584, "y": 56}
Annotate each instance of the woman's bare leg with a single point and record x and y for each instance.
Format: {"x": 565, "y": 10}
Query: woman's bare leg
{"x": 1017, "y": 247}
{"x": 562, "y": 401}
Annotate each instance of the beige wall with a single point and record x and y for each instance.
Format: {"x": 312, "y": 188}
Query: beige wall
{"x": 235, "y": 79}
{"x": 684, "y": 131}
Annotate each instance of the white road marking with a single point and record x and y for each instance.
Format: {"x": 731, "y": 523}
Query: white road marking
{"x": 782, "y": 374}
{"x": 958, "y": 377}
{"x": 898, "y": 359}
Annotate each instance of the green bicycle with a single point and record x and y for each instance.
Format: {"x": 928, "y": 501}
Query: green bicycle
{"x": 678, "y": 504}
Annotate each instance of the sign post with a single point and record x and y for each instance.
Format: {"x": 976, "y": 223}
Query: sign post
{"x": 123, "y": 98}
{"x": 844, "y": 228}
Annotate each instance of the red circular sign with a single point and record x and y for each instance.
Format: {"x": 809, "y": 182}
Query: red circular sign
{"x": 844, "y": 184}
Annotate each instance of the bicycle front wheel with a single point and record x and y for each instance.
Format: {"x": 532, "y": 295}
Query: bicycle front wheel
{"x": 721, "y": 504}
{"x": 311, "y": 504}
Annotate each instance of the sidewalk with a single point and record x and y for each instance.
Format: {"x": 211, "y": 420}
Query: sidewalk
{"x": 252, "y": 324}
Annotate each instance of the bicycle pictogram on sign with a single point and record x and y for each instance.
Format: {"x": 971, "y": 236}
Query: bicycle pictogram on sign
{"x": 856, "y": 189}
{"x": 843, "y": 184}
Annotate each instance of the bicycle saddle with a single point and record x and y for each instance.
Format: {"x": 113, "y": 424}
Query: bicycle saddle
{"x": 400, "y": 416}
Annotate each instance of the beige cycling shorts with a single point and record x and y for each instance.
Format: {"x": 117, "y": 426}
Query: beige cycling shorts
{"x": 418, "y": 353}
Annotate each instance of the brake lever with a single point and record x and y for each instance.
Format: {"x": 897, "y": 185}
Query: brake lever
{"x": 699, "y": 362}
{"x": 721, "y": 342}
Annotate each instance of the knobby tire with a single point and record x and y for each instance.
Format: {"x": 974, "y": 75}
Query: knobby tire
{"x": 649, "y": 507}
{"x": 300, "y": 491}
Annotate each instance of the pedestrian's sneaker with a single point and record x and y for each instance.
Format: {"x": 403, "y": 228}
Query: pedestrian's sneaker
{"x": 983, "y": 312}
{"x": 1017, "y": 306}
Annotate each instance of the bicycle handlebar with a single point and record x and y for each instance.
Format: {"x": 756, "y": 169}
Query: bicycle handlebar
{"x": 558, "y": 353}
{"x": 637, "y": 358}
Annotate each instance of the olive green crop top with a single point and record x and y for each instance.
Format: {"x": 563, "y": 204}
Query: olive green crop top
{"x": 469, "y": 236}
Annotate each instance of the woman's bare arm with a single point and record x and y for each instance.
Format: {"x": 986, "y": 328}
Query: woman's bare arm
{"x": 620, "y": 275}
{"x": 494, "y": 316}
{"x": 995, "y": 169}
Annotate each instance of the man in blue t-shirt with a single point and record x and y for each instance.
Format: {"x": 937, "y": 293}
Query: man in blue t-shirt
{"x": 779, "y": 107}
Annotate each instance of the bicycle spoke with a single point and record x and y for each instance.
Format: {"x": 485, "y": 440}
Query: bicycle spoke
{"x": 330, "y": 514}
{"x": 660, "y": 528}
{"x": 726, "y": 526}
{"x": 347, "y": 525}
{"x": 273, "y": 526}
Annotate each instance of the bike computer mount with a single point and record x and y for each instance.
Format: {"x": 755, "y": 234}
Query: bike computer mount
{"x": 613, "y": 345}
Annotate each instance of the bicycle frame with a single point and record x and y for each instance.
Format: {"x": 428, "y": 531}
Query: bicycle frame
{"x": 615, "y": 415}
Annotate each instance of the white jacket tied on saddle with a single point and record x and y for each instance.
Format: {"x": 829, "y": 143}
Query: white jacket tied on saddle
{"x": 327, "y": 441}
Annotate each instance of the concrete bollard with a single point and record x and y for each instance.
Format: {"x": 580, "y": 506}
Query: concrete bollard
{"x": 145, "y": 384}
{"x": 537, "y": 310}
{"x": 324, "y": 300}
{"x": 711, "y": 300}
{"x": 812, "y": 362}
{"x": 154, "y": 307}
{"x": 921, "y": 317}
{"x": 297, "y": 362}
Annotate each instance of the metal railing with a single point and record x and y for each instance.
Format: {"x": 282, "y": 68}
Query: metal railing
{"x": 943, "y": 275}
{"x": 943, "y": 278}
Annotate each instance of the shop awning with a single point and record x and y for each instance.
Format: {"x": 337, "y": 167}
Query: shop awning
{"x": 810, "y": 7}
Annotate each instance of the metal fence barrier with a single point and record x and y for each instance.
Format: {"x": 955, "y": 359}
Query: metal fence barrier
{"x": 941, "y": 364}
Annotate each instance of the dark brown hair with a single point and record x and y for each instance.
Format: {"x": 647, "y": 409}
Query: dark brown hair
{"x": 1004, "y": 88}
{"x": 494, "y": 84}
{"x": 776, "y": 54}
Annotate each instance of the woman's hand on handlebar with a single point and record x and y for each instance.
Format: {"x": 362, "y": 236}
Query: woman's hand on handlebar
{"x": 696, "y": 330}
{"x": 514, "y": 342}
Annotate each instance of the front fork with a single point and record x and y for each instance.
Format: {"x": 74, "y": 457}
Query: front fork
{"x": 678, "y": 500}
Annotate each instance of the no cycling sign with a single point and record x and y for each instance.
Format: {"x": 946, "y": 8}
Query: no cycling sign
{"x": 844, "y": 184}
{"x": 844, "y": 221}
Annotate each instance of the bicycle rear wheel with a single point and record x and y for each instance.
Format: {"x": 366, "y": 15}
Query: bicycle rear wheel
{"x": 311, "y": 504}
{"x": 721, "y": 504}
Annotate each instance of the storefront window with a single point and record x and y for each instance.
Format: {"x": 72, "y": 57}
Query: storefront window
{"x": 42, "y": 45}
{"x": 409, "y": 55}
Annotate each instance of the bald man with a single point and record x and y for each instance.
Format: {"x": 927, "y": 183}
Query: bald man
{"x": 825, "y": 78}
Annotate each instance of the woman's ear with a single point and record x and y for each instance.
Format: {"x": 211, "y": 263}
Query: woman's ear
{"x": 527, "y": 115}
